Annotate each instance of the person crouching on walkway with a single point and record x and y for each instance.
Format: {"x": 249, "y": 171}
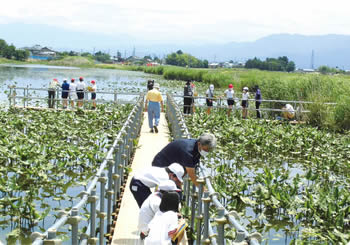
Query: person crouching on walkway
{"x": 154, "y": 100}
{"x": 163, "y": 226}
{"x": 151, "y": 177}
{"x": 151, "y": 206}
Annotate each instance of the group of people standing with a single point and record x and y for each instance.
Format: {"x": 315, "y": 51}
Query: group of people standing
{"x": 159, "y": 220}
{"x": 229, "y": 94}
{"x": 74, "y": 91}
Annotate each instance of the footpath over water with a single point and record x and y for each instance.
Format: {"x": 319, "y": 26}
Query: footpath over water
{"x": 125, "y": 231}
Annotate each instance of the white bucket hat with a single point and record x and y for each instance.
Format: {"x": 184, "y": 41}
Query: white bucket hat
{"x": 178, "y": 170}
{"x": 246, "y": 89}
{"x": 168, "y": 185}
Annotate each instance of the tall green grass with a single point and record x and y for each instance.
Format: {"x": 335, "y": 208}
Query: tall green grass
{"x": 316, "y": 88}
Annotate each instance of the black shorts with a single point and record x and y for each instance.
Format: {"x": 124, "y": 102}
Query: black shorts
{"x": 244, "y": 103}
{"x": 80, "y": 94}
{"x": 64, "y": 95}
{"x": 93, "y": 96}
{"x": 230, "y": 102}
{"x": 209, "y": 102}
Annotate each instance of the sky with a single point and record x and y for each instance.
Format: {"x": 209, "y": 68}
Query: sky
{"x": 184, "y": 21}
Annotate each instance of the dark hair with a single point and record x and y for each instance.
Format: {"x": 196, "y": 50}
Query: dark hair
{"x": 170, "y": 202}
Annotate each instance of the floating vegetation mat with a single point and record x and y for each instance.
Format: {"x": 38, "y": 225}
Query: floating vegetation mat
{"x": 289, "y": 182}
{"x": 46, "y": 159}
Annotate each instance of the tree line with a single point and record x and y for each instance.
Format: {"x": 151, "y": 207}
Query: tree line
{"x": 10, "y": 52}
{"x": 271, "y": 64}
{"x": 186, "y": 60}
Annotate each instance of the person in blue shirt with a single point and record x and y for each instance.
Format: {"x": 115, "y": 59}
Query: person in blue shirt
{"x": 65, "y": 92}
{"x": 186, "y": 152}
{"x": 257, "y": 101}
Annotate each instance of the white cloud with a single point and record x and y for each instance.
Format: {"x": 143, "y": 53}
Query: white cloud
{"x": 184, "y": 20}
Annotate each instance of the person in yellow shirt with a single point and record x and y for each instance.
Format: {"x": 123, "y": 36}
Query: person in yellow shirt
{"x": 154, "y": 100}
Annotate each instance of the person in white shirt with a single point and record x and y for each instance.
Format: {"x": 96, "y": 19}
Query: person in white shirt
{"x": 52, "y": 91}
{"x": 80, "y": 91}
{"x": 288, "y": 111}
{"x": 151, "y": 177}
{"x": 245, "y": 102}
{"x": 151, "y": 206}
{"x": 72, "y": 92}
{"x": 230, "y": 93}
{"x": 163, "y": 226}
{"x": 210, "y": 97}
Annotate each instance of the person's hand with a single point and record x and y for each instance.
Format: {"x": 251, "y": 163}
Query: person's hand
{"x": 145, "y": 108}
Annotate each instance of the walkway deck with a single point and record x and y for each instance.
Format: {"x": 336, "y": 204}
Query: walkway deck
{"x": 125, "y": 231}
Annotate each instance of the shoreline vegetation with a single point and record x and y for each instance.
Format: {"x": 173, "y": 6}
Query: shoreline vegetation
{"x": 316, "y": 88}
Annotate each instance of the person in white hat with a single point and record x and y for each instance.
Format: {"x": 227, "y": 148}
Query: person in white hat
{"x": 65, "y": 92}
{"x": 151, "y": 205}
{"x": 151, "y": 177}
{"x": 154, "y": 101}
{"x": 245, "y": 103}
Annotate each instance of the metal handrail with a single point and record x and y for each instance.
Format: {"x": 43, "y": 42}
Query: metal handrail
{"x": 117, "y": 158}
{"x": 12, "y": 96}
{"x": 202, "y": 198}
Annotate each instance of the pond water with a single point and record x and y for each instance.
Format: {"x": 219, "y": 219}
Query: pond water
{"x": 39, "y": 76}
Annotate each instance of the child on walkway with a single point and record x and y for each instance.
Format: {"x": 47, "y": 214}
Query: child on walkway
{"x": 151, "y": 177}
{"x": 210, "y": 97}
{"x": 163, "y": 226}
{"x": 151, "y": 206}
{"x": 245, "y": 103}
{"x": 230, "y": 93}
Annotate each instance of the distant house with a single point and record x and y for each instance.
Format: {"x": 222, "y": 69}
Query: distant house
{"x": 306, "y": 71}
{"x": 40, "y": 53}
{"x": 213, "y": 65}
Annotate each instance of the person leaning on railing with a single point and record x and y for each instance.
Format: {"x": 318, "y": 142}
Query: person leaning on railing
{"x": 52, "y": 91}
{"x": 186, "y": 152}
{"x": 65, "y": 92}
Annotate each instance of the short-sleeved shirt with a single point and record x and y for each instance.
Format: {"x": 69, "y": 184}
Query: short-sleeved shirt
{"x": 80, "y": 85}
{"x": 161, "y": 227}
{"x": 154, "y": 95}
{"x": 245, "y": 96}
{"x": 229, "y": 93}
{"x": 183, "y": 151}
{"x": 65, "y": 87}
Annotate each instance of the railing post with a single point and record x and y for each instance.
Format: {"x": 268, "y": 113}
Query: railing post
{"x": 115, "y": 97}
{"x": 74, "y": 220}
{"x": 51, "y": 238}
{"x": 24, "y": 98}
{"x": 110, "y": 193}
{"x": 92, "y": 199}
{"x": 206, "y": 200}
{"x": 221, "y": 220}
{"x": 102, "y": 215}
{"x": 199, "y": 214}
{"x": 193, "y": 205}
{"x": 56, "y": 99}
{"x": 10, "y": 96}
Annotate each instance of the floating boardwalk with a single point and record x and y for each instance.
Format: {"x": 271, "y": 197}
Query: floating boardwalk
{"x": 125, "y": 231}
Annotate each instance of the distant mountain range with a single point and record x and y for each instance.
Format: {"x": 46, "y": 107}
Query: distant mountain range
{"x": 332, "y": 50}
